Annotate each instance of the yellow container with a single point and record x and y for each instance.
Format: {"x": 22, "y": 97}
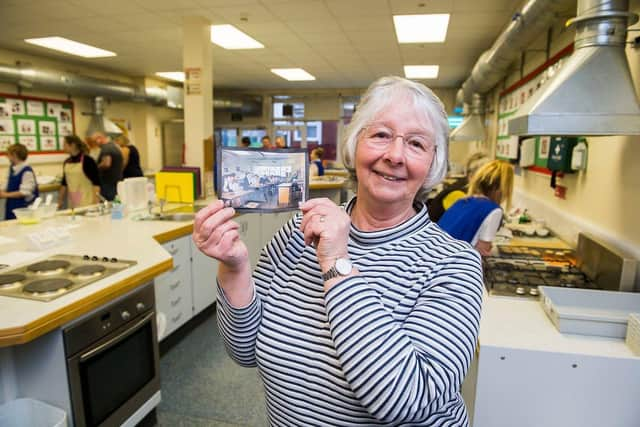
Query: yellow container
{"x": 175, "y": 187}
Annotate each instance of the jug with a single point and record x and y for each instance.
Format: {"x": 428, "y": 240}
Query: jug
{"x": 133, "y": 193}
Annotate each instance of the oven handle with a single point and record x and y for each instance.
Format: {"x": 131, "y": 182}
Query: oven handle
{"x": 117, "y": 338}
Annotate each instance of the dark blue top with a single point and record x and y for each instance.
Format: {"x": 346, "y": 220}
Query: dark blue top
{"x": 463, "y": 219}
{"x": 320, "y": 167}
{"x": 13, "y": 184}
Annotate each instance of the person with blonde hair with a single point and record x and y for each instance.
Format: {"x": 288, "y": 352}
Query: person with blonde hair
{"x": 130, "y": 158}
{"x": 315, "y": 165}
{"x": 477, "y": 217}
{"x": 362, "y": 314}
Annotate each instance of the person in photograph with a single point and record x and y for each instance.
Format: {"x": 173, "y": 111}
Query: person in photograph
{"x": 245, "y": 142}
{"x": 80, "y": 184}
{"x": 21, "y": 187}
{"x": 477, "y": 217}
{"x": 110, "y": 165}
{"x": 266, "y": 143}
{"x": 280, "y": 142}
{"x": 130, "y": 158}
{"x": 316, "y": 168}
{"x": 366, "y": 313}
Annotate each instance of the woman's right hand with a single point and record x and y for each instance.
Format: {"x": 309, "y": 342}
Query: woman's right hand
{"x": 216, "y": 235}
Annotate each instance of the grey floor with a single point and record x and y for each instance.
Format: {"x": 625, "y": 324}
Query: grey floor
{"x": 202, "y": 386}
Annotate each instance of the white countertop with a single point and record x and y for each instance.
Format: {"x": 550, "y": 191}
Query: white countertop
{"x": 102, "y": 236}
{"x": 517, "y": 323}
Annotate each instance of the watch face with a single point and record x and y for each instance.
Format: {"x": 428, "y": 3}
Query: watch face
{"x": 343, "y": 266}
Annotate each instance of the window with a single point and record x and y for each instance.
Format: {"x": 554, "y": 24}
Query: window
{"x": 296, "y": 108}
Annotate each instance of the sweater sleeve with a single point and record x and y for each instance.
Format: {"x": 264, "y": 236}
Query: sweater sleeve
{"x": 239, "y": 326}
{"x": 399, "y": 369}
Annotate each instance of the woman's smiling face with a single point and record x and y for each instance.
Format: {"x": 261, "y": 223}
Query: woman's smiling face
{"x": 391, "y": 174}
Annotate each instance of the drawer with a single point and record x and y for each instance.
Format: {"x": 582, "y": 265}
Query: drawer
{"x": 180, "y": 250}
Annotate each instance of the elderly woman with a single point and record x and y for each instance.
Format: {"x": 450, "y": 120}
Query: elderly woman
{"x": 477, "y": 217}
{"x": 366, "y": 313}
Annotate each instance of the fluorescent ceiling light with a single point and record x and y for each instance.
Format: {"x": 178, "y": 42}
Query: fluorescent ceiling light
{"x": 421, "y": 28}
{"x": 293, "y": 74}
{"x": 71, "y": 47}
{"x": 229, "y": 37}
{"x": 421, "y": 71}
{"x": 177, "y": 76}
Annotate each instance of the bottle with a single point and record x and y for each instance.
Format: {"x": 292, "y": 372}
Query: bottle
{"x": 117, "y": 209}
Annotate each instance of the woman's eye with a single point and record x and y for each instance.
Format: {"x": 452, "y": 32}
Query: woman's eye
{"x": 382, "y": 135}
{"x": 418, "y": 144}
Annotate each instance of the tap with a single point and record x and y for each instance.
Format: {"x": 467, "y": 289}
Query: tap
{"x": 161, "y": 203}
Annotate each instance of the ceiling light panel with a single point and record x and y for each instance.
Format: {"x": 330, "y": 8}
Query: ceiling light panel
{"x": 421, "y": 28}
{"x": 71, "y": 47}
{"x": 421, "y": 71}
{"x": 177, "y": 76}
{"x": 229, "y": 37}
{"x": 293, "y": 74}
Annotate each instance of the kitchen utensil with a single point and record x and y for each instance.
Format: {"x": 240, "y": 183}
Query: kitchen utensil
{"x": 48, "y": 199}
{"x": 36, "y": 203}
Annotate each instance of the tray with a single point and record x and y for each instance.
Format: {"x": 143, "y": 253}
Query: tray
{"x": 589, "y": 312}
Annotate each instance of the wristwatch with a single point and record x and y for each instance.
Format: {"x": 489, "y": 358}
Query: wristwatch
{"x": 342, "y": 267}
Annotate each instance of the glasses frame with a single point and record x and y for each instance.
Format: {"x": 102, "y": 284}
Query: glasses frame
{"x": 405, "y": 138}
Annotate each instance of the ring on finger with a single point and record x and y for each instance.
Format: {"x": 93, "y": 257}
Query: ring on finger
{"x": 322, "y": 217}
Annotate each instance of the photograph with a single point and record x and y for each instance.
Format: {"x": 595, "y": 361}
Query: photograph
{"x": 26, "y": 127}
{"x": 6, "y": 126}
{"x": 47, "y": 128}
{"x": 262, "y": 181}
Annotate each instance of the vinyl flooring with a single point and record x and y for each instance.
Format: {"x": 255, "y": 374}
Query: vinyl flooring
{"x": 203, "y": 387}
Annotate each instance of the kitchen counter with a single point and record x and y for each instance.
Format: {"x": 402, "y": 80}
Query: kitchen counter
{"x": 23, "y": 320}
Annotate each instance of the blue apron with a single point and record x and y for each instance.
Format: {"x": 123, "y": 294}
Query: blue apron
{"x": 14, "y": 185}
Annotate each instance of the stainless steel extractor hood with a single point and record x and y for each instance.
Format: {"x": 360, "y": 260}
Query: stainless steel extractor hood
{"x": 592, "y": 93}
{"x": 472, "y": 128}
{"x": 99, "y": 123}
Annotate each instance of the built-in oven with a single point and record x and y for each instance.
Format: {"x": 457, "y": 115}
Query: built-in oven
{"x": 113, "y": 362}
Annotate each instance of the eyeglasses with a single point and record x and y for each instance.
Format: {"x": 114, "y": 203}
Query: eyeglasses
{"x": 416, "y": 145}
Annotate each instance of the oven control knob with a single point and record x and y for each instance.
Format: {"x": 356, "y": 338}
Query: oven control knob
{"x": 105, "y": 259}
{"x": 125, "y": 315}
{"x": 94, "y": 258}
{"x": 140, "y": 307}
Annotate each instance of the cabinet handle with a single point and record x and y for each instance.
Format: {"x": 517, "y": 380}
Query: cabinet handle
{"x": 176, "y": 302}
{"x": 173, "y": 251}
{"x": 175, "y": 268}
{"x": 175, "y": 285}
{"x": 175, "y": 319}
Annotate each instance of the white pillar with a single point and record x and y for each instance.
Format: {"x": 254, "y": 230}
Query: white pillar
{"x": 198, "y": 89}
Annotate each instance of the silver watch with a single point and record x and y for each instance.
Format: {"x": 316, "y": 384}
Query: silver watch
{"x": 342, "y": 267}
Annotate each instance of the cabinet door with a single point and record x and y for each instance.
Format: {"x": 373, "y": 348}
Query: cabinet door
{"x": 270, "y": 223}
{"x": 173, "y": 289}
{"x": 203, "y": 278}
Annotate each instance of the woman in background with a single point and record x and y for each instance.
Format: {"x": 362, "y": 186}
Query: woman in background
{"x": 315, "y": 166}
{"x": 130, "y": 158}
{"x": 80, "y": 184}
{"x": 21, "y": 188}
{"x": 477, "y": 217}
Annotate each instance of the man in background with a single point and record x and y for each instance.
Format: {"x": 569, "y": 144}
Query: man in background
{"x": 266, "y": 143}
{"x": 245, "y": 142}
{"x": 110, "y": 165}
{"x": 280, "y": 142}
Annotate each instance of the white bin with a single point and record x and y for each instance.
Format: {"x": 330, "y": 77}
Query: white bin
{"x": 31, "y": 413}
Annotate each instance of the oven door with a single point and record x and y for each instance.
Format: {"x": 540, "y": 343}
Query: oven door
{"x": 116, "y": 375}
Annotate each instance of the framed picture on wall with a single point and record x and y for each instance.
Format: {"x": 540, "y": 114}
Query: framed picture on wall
{"x": 254, "y": 180}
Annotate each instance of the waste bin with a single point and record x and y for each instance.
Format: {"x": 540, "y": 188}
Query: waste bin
{"x": 31, "y": 413}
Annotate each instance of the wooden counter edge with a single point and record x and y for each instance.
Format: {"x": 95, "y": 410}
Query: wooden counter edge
{"x": 174, "y": 234}
{"x": 319, "y": 185}
{"x": 39, "y": 327}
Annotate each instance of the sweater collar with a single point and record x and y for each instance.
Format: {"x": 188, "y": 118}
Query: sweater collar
{"x": 404, "y": 229}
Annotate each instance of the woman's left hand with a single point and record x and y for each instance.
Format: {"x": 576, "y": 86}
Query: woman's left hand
{"x": 326, "y": 226}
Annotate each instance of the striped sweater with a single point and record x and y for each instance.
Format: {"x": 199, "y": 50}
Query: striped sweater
{"x": 389, "y": 346}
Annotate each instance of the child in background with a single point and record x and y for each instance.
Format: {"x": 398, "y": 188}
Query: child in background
{"x": 21, "y": 188}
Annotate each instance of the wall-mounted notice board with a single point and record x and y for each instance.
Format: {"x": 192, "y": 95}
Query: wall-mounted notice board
{"x": 38, "y": 123}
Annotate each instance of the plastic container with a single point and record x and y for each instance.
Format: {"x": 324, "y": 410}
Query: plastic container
{"x": 589, "y": 312}
{"x": 27, "y": 412}
{"x": 28, "y": 215}
{"x": 133, "y": 193}
{"x": 48, "y": 211}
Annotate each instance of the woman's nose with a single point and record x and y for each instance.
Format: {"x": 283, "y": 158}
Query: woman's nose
{"x": 395, "y": 150}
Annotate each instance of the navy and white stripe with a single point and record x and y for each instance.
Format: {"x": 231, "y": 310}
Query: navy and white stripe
{"x": 390, "y": 346}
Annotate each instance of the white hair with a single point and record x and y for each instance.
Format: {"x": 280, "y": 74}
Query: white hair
{"x": 380, "y": 95}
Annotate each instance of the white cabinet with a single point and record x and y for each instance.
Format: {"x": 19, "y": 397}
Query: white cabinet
{"x": 270, "y": 223}
{"x": 203, "y": 279}
{"x": 173, "y": 289}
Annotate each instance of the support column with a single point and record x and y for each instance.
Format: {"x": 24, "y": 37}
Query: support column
{"x": 198, "y": 89}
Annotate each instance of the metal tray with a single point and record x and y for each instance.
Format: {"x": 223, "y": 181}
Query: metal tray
{"x": 589, "y": 312}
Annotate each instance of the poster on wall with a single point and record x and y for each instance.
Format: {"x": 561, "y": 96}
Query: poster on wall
{"x": 29, "y": 142}
{"x": 35, "y": 108}
{"x": 39, "y": 124}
